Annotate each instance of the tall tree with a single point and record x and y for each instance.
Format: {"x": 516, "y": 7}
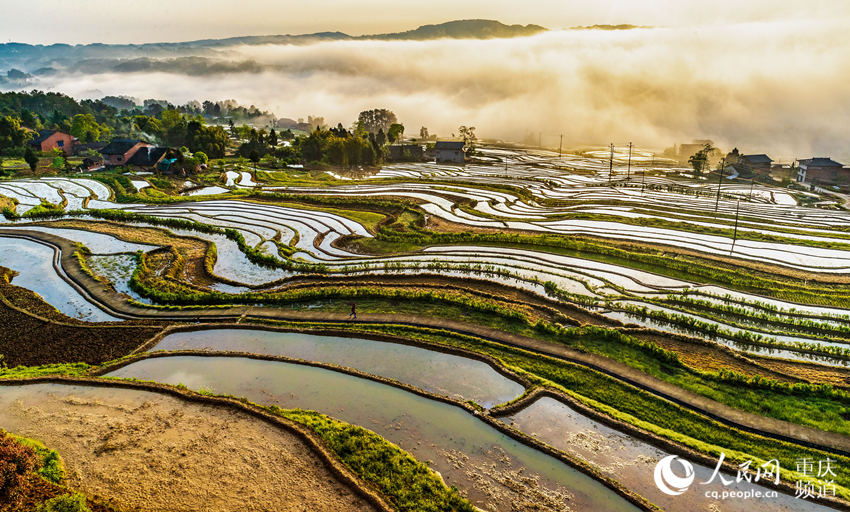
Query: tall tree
{"x": 11, "y": 133}
{"x": 30, "y": 158}
{"x": 699, "y": 160}
{"x": 85, "y": 128}
{"x": 395, "y": 132}
{"x": 376, "y": 119}
{"x": 468, "y": 133}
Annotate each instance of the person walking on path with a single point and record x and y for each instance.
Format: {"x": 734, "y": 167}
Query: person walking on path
{"x": 353, "y": 314}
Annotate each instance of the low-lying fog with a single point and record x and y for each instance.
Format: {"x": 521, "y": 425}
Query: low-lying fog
{"x": 775, "y": 87}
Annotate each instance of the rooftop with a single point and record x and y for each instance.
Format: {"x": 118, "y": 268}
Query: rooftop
{"x": 757, "y": 159}
{"x": 449, "y": 144}
{"x": 820, "y": 162}
{"x": 147, "y": 156}
{"x": 119, "y": 146}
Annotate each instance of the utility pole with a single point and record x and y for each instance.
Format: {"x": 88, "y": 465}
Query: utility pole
{"x": 560, "y": 145}
{"x": 752, "y": 182}
{"x": 629, "y": 168}
{"x": 611, "y": 164}
{"x": 735, "y": 233}
{"x": 720, "y": 182}
{"x": 539, "y": 139}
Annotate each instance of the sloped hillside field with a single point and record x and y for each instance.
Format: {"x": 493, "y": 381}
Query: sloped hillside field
{"x": 527, "y": 331}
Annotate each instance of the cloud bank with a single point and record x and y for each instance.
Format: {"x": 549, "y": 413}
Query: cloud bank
{"x": 775, "y": 87}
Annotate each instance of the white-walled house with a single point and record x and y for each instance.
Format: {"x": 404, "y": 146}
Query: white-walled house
{"x": 450, "y": 151}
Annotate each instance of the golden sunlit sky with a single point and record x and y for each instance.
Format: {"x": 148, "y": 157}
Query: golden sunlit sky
{"x": 764, "y": 76}
{"x": 112, "y": 21}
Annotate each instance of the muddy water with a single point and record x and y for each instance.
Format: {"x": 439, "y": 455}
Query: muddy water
{"x": 493, "y": 470}
{"x": 34, "y": 263}
{"x": 632, "y": 461}
{"x": 445, "y": 374}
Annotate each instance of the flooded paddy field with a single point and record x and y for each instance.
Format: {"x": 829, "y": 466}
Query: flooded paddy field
{"x": 449, "y": 375}
{"x": 33, "y": 262}
{"x": 632, "y": 461}
{"x": 492, "y": 469}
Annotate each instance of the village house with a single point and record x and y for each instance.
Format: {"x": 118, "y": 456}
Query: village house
{"x": 147, "y": 157}
{"x": 48, "y": 140}
{"x": 760, "y": 164}
{"x": 120, "y": 151}
{"x": 450, "y": 151}
{"x": 91, "y": 163}
{"x": 822, "y": 172}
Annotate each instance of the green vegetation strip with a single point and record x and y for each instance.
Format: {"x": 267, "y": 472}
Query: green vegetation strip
{"x": 407, "y": 483}
{"x": 816, "y": 405}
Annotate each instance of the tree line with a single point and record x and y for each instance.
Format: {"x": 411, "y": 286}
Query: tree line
{"x": 23, "y": 114}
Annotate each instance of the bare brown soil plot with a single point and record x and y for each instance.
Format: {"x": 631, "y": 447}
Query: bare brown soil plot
{"x": 35, "y": 333}
{"x": 151, "y": 452}
{"x": 192, "y": 252}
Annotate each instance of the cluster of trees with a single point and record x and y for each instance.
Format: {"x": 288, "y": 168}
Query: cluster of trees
{"x": 23, "y": 114}
{"x": 175, "y": 129}
{"x": 339, "y": 146}
{"x": 185, "y": 127}
{"x": 364, "y": 144}
{"x": 700, "y": 160}
{"x": 209, "y": 110}
{"x": 259, "y": 143}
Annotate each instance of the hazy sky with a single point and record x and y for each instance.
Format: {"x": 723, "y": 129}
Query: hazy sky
{"x": 115, "y": 21}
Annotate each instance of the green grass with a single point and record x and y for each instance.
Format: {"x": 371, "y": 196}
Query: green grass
{"x": 23, "y": 372}
{"x": 72, "y": 502}
{"x": 52, "y": 469}
{"x": 408, "y": 484}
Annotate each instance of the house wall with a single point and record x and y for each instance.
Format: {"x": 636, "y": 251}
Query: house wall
{"x": 122, "y": 159}
{"x": 59, "y": 140}
{"x": 824, "y": 175}
{"x": 450, "y": 155}
{"x": 763, "y": 169}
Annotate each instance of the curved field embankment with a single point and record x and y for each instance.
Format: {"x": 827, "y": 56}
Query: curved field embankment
{"x": 34, "y": 333}
{"x": 148, "y": 451}
{"x": 770, "y": 427}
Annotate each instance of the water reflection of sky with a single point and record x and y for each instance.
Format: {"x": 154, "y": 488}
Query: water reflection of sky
{"x": 632, "y": 461}
{"x": 34, "y": 264}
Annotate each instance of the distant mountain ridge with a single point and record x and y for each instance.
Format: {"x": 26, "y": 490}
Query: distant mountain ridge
{"x": 36, "y": 58}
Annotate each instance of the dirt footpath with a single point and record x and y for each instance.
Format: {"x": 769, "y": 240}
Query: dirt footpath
{"x": 150, "y": 452}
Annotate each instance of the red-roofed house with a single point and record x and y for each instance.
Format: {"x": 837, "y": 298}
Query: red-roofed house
{"x": 48, "y": 140}
{"x": 120, "y": 151}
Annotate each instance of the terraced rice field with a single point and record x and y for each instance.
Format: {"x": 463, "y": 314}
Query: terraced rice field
{"x": 475, "y": 284}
